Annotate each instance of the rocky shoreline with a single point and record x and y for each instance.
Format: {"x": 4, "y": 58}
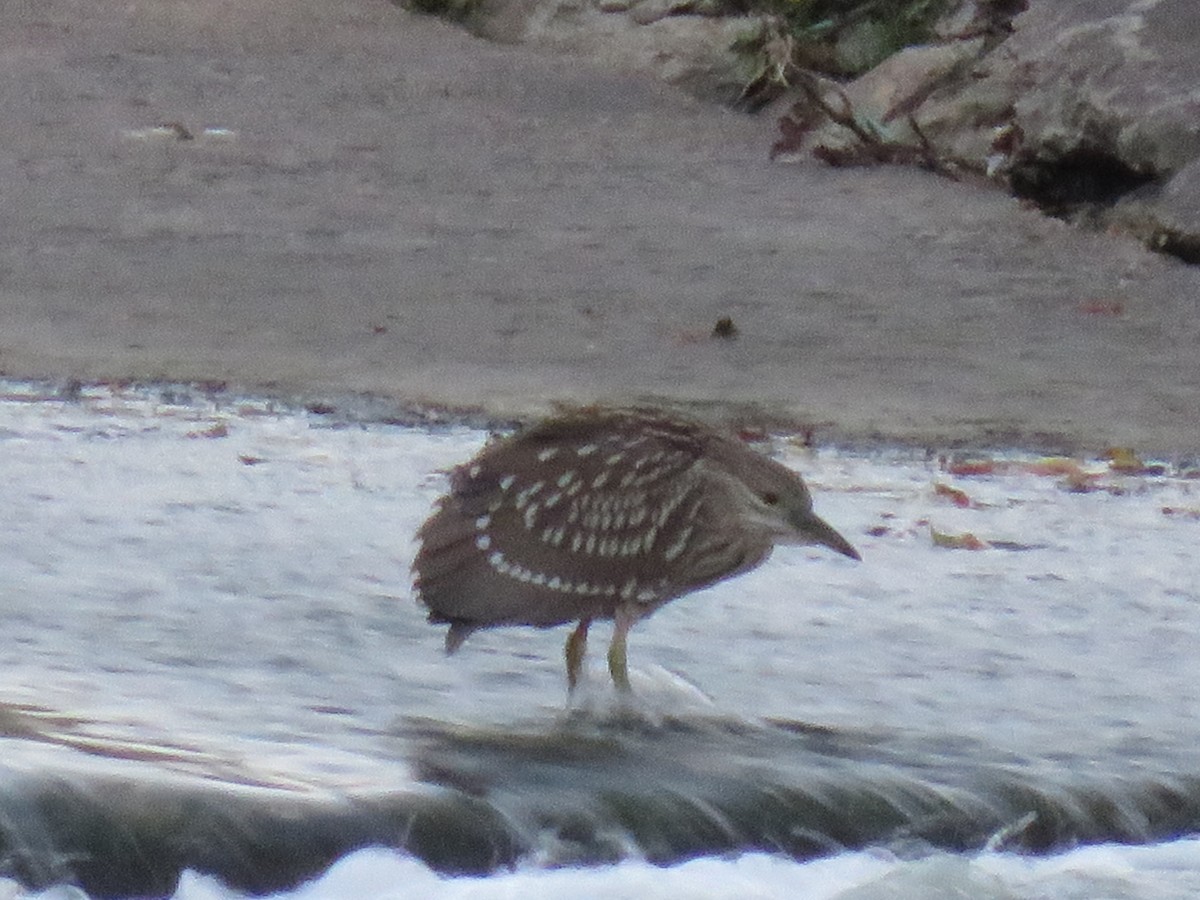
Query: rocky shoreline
{"x": 1087, "y": 109}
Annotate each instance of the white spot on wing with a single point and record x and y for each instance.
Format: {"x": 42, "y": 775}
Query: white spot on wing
{"x": 523, "y": 496}
{"x": 499, "y": 563}
{"x": 679, "y": 545}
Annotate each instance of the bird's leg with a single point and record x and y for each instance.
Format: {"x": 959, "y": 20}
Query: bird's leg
{"x": 618, "y": 668}
{"x": 575, "y": 649}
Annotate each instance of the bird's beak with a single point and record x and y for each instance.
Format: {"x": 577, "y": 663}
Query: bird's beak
{"x": 815, "y": 530}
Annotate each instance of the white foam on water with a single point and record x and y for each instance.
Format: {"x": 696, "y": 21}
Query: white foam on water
{"x": 1167, "y": 871}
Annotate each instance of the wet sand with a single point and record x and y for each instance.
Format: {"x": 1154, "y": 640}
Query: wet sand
{"x": 376, "y": 202}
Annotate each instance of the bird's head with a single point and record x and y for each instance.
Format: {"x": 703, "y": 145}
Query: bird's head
{"x": 772, "y": 497}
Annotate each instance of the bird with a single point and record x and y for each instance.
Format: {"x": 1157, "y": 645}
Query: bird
{"x": 603, "y": 513}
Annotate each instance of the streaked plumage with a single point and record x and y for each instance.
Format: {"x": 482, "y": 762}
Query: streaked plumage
{"x": 603, "y": 514}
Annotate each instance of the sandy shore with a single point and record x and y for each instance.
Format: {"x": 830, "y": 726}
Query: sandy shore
{"x": 376, "y": 202}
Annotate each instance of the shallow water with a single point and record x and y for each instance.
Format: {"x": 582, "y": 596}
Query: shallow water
{"x": 213, "y": 664}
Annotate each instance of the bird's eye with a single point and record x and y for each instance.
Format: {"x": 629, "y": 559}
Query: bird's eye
{"x": 770, "y": 498}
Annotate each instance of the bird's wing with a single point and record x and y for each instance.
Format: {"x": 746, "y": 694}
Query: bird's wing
{"x": 564, "y": 521}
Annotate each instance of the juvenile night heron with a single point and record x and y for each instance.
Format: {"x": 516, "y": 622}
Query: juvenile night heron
{"x": 603, "y": 514}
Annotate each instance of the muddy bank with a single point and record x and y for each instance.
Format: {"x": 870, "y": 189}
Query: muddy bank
{"x": 359, "y": 200}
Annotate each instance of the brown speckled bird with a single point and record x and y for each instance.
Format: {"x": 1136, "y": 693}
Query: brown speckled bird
{"x": 603, "y": 514}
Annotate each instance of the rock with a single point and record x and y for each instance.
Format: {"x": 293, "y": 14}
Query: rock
{"x": 975, "y": 18}
{"x": 1080, "y": 105}
{"x": 1089, "y": 108}
{"x": 1108, "y": 102}
{"x": 883, "y": 98}
{"x": 1180, "y": 199}
{"x": 901, "y": 83}
{"x": 964, "y": 120}
{"x": 1113, "y": 75}
{"x": 1166, "y": 217}
{"x": 693, "y": 52}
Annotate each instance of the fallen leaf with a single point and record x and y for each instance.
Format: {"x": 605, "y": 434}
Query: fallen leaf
{"x": 970, "y": 467}
{"x": 219, "y": 430}
{"x": 725, "y": 328}
{"x": 1055, "y": 466}
{"x": 1080, "y": 483}
{"x": 1126, "y": 461}
{"x": 964, "y": 541}
{"x": 954, "y": 495}
{"x": 1102, "y": 307}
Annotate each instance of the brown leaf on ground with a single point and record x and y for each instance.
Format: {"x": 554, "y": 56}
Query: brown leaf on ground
{"x": 1127, "y": 462}
{"x": 1056, "y": 467}
{"x": 964, "y": 541}
{"x": 1081, "y": 482}
{"x": 219, "y": 430}
{"x": 970, "y": 466}
{"x": 1103, "y": 307}
{"x": 794, "y": 127}
{"x": 954, "y": 495}
{"x": 1123, "y": 459}
{"x": 725, "y": 329}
